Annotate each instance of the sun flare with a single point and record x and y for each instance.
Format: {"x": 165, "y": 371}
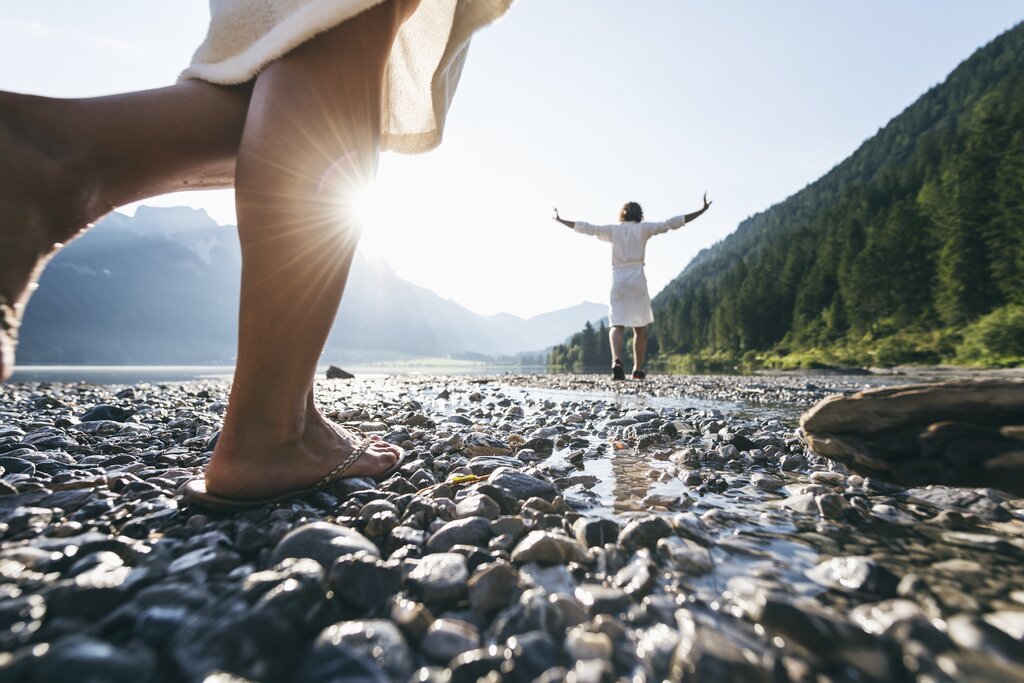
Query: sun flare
{"x": 366, "y": 205}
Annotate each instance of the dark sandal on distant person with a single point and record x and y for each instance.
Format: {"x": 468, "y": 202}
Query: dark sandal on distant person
{"x": 194, "y": 491}
{"x": 639, "y": 374}
{"x": 617, "y": 371}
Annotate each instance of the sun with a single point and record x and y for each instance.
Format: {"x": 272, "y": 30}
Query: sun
{"x": 365, "y": 204}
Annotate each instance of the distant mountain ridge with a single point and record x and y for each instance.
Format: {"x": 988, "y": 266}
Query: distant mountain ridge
{"x": 162, "y": 288}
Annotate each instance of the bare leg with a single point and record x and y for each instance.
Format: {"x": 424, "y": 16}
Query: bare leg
{"x": 65, "y": 163}
{"x": 639, "y": 348}
{"x": 616, "y": 338}
{"x": 311, "y": 137}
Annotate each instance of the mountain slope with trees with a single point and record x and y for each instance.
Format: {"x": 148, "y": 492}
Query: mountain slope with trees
{"x": 910, "y": 250}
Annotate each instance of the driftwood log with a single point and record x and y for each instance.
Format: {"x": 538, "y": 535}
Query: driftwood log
{"x": 957, "y": 433}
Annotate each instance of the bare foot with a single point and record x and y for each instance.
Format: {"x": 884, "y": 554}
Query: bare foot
{"x": 248, "y": 468}
{"x": 42, "y": 204}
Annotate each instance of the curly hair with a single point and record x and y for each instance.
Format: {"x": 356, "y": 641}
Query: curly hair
{"x": 631, "y": 213}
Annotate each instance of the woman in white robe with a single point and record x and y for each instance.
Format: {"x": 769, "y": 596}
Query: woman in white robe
{"x": 630, "y": 302}
{"x": 290, "y": 102}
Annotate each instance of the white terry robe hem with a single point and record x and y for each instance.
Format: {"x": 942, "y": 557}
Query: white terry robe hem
{"x": 413, "y": 57}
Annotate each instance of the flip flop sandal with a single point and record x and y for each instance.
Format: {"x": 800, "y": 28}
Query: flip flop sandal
{"x": 194, "y": 490}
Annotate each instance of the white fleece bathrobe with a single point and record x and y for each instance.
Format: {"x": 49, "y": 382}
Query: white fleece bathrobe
{"x": 422, "y": 72}
{"x": 630, "y": 303}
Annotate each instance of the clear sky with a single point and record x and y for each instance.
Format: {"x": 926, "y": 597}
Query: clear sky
{"x": 579, "y": 104}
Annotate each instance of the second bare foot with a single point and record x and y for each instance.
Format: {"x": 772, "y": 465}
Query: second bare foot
{"x": 43, "y": 203}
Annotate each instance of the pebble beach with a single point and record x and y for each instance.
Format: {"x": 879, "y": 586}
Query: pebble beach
{"x": 542, "y": 528}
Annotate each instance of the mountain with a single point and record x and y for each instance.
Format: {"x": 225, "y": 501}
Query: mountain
{"x": 910, "y": 250}
{"x": 162, "y": 288}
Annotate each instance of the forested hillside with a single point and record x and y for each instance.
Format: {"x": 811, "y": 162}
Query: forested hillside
{"x": 910, "y": 250}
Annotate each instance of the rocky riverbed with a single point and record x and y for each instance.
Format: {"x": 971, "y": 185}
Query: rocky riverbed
{"x": 543, "y": 528}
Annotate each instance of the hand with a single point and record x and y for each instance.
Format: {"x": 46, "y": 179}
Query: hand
{"x": 706, "y": 202}
{"x": 557, "y": 217}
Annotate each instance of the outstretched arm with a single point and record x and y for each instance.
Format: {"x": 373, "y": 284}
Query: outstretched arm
{"x": 601, "y": 232}
{"x": 568, "y": 224}
{"x": 695, "y": 214}
{"x": 677, "y": 222}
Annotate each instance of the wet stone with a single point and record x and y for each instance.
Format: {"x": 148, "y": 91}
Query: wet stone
{"x": 686, "y": 556}
{"x": 28, "y": 519}
{"x": 364, "y": 581}
{"x": 448, "y": 638}
{"x": 471, "y": 666}
{"x": 879, "y": 617}
{"x": 20, "y": 618}
{"x": 412, "y": 617}
{"x": 834, "y": 639}
{"x": 80, "y": 658}
{"x": 595, "y": 531}
{"x": 521, "y": 485}
{"x": 492, "y": 585}
{"x": 976, "y": 635}
{"x": 322, "y": 542}
{"x": 554, "y": 578}
{"x": 644, "y": 532}
{"x": 655, "y": 648}
{"x": 707, "y": 654}
{"x": 831, "y": 505}
{"x": 547, "y": 547}
{"x": 861, "y": 575}
{"x": 357, "y": 643}
{"x": 474, "y": 531}
{"x": 477, "y": 505}
{"x": 583, "y": 644}
{"x": 637, "y": 578}
{"x": 478, "y": 444}
{"x": 600, "y": 599}
{"x": 532, "y": 654}
{"x": 440, "y": 578}
{"x": 766, "y": 482}
{"x": 107, "y": 412}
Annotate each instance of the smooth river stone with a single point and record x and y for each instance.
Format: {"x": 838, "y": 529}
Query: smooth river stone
{"x": 474, "y": 531}
{"x": 477, "y": 444}
{"x": 376, "y": 640}
{"x": 323, "y": 542}
{"x": 583, "y": 644}
{"x": 545, "y": 547}
{"x": 492, "y": 585}
{"x": 440, "y": 578}
{"x": 364, "y": 581}
{"x": 477, "y": 505}
{"x": 448, "y": 638}
{"x": 644, "y": 532}
{"x": 855, "y": 574}
{"x": 521, "y": 485}
{"x": 686, "y": 556}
